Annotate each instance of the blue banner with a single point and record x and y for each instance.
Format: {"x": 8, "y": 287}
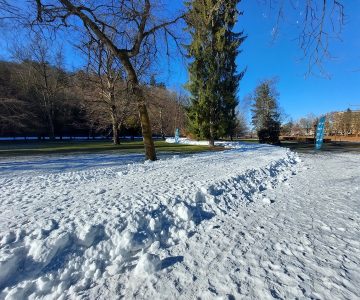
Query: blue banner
{"x": 177, "y": 135}
{"x": 320, "y": 130}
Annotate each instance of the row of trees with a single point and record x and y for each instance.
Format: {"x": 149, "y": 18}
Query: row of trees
{"x": 213, "y": 76}
{"x": 343, "y": 123}
{"x": 337, "y": 124}
{"x": 213, "y": 82}
{"x": 305, "y": 126}
{"x": 129, "y": 32}
{"x": 38, "y": 98}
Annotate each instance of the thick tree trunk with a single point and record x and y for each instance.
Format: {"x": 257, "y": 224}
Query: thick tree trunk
{"x": 212, "y": 138}
{"x": 211, "y": 142}
{"x": 137, "y": 92}
{"x": 146, "y": 130}
{"x": 124, "y": 57}
{"x": 115, "y": 129}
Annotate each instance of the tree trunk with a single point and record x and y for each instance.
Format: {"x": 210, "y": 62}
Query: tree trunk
{"x": 211, "y": 139}
{"x": 124, "y": 57}
{"x": 116, "y": 139}
{"x": 51, "y": 129}
{"x": 211, "y": 142}
{"x": 162, "y": 126}
{"x": 146, "y": 131}
{"x": 50, "y": 118}
{"x": 114, "y": 121}
{"x": 136, "y": 90}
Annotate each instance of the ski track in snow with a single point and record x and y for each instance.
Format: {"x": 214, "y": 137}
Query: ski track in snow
{"x": 253, "y": 222}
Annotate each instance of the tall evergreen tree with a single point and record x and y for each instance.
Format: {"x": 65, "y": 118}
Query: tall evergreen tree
{"x": 213, "y": 77}
{"x": 265, "y": 112}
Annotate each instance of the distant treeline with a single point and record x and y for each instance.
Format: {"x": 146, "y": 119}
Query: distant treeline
{"x": 38, "y": 99}
{"x": 343, "y": 123}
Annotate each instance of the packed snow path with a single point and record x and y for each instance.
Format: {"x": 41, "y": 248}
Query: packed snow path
{"x": 253, "y": 222}
{"x": 306, "y": 245}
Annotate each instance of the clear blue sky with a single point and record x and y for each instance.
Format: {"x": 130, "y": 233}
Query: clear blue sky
{"x": 299, "y": 96}
{"x": 264, "y": 58}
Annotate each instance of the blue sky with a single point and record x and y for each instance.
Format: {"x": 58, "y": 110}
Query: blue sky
{"x": 264, "y": 58}
{"x": 299, "y": 95}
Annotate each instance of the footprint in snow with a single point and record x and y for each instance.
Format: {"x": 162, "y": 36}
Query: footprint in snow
{"x": 100, "y": 191}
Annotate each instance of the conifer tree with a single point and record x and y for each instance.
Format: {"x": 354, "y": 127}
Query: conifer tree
{"x": 265, "y": 112}
{"x": 213, "y": 77}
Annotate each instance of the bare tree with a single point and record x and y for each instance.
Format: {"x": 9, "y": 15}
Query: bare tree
{"x": 166, "y": 109}
{"x": 108, "y": 101}
{"x": 319, "y": 22}
{"x": 180, "y": 120}
{"x": 22, "y": 108}
{"x": 347, "y": 122}
{"x": 128, "y": 28}
{"x": 14, "y": 115}
{"x": 241, "y": 127}
{"x": 356, "y": 122}
{"x": 159, "y": 106}
{"x": 47, "y": 80}
{"x": 307, "y": 124}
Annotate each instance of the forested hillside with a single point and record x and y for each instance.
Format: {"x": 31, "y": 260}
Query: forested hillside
{"x": 38, "y": 99}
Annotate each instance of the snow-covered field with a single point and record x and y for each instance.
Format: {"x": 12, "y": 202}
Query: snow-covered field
{"x": 254, "y": 222}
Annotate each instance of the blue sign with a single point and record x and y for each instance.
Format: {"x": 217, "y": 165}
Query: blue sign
{"x": 177, "y": 135}
{"x": 320, "y": 130}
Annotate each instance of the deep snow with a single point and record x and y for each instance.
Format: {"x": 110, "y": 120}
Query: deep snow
{"x": 252, "y": 222}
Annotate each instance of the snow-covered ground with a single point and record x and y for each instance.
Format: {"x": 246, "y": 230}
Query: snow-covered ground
{"x": 252, "y": 222}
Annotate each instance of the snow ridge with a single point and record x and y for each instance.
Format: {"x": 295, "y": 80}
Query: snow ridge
{"x": 119, "y": 222}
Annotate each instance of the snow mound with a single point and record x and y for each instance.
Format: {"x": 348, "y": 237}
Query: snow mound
{"x": 229, "y": 145}
{"x": 187, "y": 141}
{"x": 66, "y": 233}
{"x": 147, "y": 264}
